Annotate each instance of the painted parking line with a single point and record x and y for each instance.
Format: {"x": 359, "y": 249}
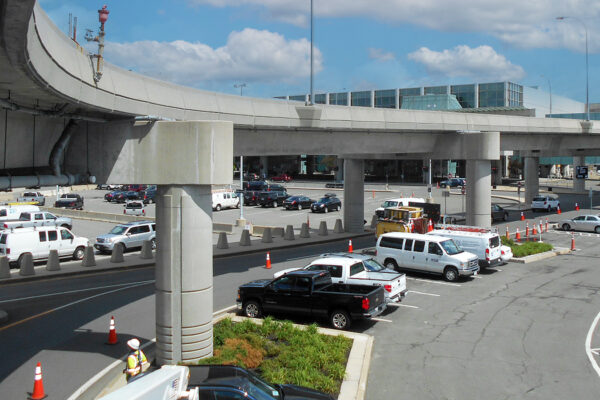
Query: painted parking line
{"x": 476, "y": 277}
{"x": 401, "y": 305}
{"x": 588, "y": 344}
{"x": 381, "y": 320}
{"x": 424, "y": 293}
{"x": 436, "y": 282}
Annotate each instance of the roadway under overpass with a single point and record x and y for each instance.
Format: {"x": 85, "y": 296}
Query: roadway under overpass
{"x": 60, "y": 125}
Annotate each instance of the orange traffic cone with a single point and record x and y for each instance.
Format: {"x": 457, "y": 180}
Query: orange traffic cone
{"x": 38, "y": 384}
{"x": 308, "y": 220}
{"x": 518, "y": 235}
{"x": 507, "y": 234}
{"x": 576, "y": 207}
{"x": 430, "y": 226}
{"x": 350, "y": 249}
{"x": 546, "y": 224}
{"x": 268, "y": 265}
{"x": 534, "y": 231}
{"x": 572, "y": 241}
{"x": 558, "y": 210}
{"x": 541, "y": 227}
{"x": 438, "y": 185}
{"x": 112, "y": 332}
{"x": 522, "y": 216}
{"x": 527, "y": 230}
{"x": 373, "y": 194}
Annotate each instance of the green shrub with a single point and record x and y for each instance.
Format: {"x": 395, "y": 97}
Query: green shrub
{"x": 529, "y": 248}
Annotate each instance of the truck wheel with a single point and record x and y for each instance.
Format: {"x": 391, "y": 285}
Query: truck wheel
{"x": 450, "y": 274}
{"x": 78, "y": 253}
{"x": 597, "y": 229}
{"x": 252, "y": 309}
{"x": 218, "y": 207}
{"x": 391, "y": 264}
{"x": 340, "y": 319}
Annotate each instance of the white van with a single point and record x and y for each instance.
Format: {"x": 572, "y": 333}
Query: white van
{"x": 13, "y": 212}
{"x": 399, "y": 202}
{"x": 425, "y": 253}
{"x": 224, "y": 199}
{"x": 14, "y": 243}
{"x": 482, "y": 242}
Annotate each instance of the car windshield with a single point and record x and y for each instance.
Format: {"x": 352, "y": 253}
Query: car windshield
{"x": 293, "y": 198}
{"x": 389, "y": 204}
{"x": 450, "y": 247}
{"x": 260, "y": 389}
{"x": 118, "y": 230}
{"x": 373, "y": 265}
{"x": 324, "y": 200}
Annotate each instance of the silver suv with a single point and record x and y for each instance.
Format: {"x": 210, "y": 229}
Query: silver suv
{"x": 128, "y": 235}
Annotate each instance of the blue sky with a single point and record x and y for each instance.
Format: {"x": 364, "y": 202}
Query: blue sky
{"x": 359, "y": 44}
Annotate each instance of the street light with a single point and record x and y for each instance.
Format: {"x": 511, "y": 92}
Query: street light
{"x": 550, "y": 86}
{"x": 587, "y": 86}
{"x": 241, "y": 86}
{"x": 312, "y": 63}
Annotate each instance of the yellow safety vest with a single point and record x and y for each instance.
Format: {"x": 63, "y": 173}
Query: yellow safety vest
{"x": 135, "y": 361}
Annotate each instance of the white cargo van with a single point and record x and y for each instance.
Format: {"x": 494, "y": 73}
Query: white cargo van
{"x": 425, "y": 253}
{"x": 399, "y": 202}
{"x": 14, "y": 243}
{"x": 224, "y": 199}
{"x": 13, "y": 212}
{"x": 482, "y": 242}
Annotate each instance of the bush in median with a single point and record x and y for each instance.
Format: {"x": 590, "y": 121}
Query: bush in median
{"x": 527, "y": 248}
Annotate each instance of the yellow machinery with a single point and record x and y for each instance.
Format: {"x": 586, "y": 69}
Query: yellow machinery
{"x": 399, "y": 219}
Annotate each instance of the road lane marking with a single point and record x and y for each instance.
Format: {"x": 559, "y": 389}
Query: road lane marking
{"x": 66, "y": 305}
{"x": 76, "y": 291}
{"x": 436, "y": 282}
{"x": 476, "y": 276}
{"x": 424, "y": 293}
{"x": 588, "y": 344}
{"x": 381, "y": 320}
{"x": 401, "y": 305}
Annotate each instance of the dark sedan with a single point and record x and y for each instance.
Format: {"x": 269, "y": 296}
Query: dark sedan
{"x": 453, "y": 182}
{"x": 122, "y": 197}
{"x": 328, "y": 203}
{"x": 273, "y": 198}
{"x": 297, "y": 203}
{"x": 499, "y": 213}
{"x": 110, "y": 195}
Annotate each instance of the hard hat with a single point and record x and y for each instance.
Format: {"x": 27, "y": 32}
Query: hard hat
{"x": 133, "y": 343}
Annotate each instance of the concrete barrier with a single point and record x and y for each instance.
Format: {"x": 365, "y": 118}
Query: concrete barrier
{"x": 117, "y": 253}
{"x": 89, "y": 259}
{"x": 222, "y": 243}
{"x": 218, "y": 228}
{"x": 323, "y": 228}
{"x": 374, "y": 221}
{"x": 304, "y": 232}
{"x": 338, "y": 228}
{"x": 245, "y": 238}
{"x": 289, "y": 233}
{"x": 146, "y": 253}
{"x": 267, "y": 237}
{"x": 258, "y": 230}
{"x": 26, "y": 265}
{"x": 53, "y": 263}
{"x": 4, "y": 268}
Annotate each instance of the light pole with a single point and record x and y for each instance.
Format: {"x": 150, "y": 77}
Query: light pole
{"x": 241, "y": 86}
{"x": 312, "y": 63}
{"x": 550, "y": 86}
{"x": 587, "y": 75}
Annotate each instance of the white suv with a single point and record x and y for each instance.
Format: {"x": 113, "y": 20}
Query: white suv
{"x": 545, "y": 203}
{"x": 128, "y": 235}
{"x": 134, "y": 207}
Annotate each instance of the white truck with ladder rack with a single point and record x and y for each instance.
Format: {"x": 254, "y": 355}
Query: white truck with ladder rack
{"x": 485, "y": 243}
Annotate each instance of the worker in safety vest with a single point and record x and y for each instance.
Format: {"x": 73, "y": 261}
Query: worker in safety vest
{"x": 136, "y": 360}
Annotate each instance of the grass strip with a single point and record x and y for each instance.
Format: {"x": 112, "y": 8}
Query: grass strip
{"x": 281, "y": 353}
{"x": 527, "y": 248}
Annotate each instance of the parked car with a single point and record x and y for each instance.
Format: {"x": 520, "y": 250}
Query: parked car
{"x": 545, "y": 203}
{"x": 281, "y": 178}
{"x": 13, "y": 212}
{"x": 32, "y": 197}
{"x": 122, "y": 197}
{"x": 273, "y": 198}
{"x": 251, "y": 197}
{"x": 507, "y": 254}
{"x": 251, "y": 176}
{"x": 589, "y": 223}
{"x": 136, "y": 188}
{"x": 36, "y": 219}
{"x": 111, "y": 195}
{"x": 224, "y": 199}
{"x": 38, "y": 241}
{"x": 134, "y": 207}
{"x": 108, "y": 186}
{"x": 399, "y": 202}
{"x": 453, "y": 182}
{"x": 336, "y": 184}
{"x": 482, "y": 242}
{"x": 329, "y": 202}
{"x": 499, "y": 213}
{"x": 297, "y": 203}
{"x": 128, "y": 235}
{"x": 425, "y": 253}
{"x": 70, "y": 200}
{"x": 311, "y": 293}
{"x": 149, "y": 194}
{"x": 358, "y": 269}
{"x": 229, "y": 382}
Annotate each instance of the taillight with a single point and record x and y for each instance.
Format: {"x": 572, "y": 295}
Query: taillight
{"x": 388, "y": 288}
{"x": 5, "y": 225}
{"x": 375, "y": 252}
{"x": 124, "y": 212}
{"x": 487, "y": 254}
{"x": 144, "y": 212}
{"x": 7, "y": 251}
{"x": 366, "y": 303}
{"x": 294, "y": 202}
{"x": 544, "y": 202}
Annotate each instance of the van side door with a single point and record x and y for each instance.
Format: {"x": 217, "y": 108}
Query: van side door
{"x": 420, "y": 256}
{"x": 67, "y": 245}
{"x": 434, "y": 257}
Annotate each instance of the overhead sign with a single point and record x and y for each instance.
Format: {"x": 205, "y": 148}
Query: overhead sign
{"x": 581, "y": 172}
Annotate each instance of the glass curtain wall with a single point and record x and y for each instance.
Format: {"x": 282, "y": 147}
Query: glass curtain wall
{"x": 361, "y": 99}
{"x": 465, "y": 94}
{"x": 385, "y": 98}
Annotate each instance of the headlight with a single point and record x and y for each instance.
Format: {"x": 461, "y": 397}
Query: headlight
{"x": 462, "y": 264}
{"x": 322, "y": 205}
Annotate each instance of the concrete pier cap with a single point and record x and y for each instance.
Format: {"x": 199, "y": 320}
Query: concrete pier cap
{"x": 184, "y": 159}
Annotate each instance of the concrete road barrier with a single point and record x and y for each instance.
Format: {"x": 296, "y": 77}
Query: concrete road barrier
{"x": 222, "y": 243}
{"x": 289, "y": 233}
{"x": 304, "y": 232}
{"x": 258, "y": 230}
{"x": 89, "y": 259}
{"x": 4, "y": 268}
{"x": 245, "y": 238}
{"x": 117, "y": 253}
{"x": 26, "y": 265}
{"x": 323, "y": 228}
{"x": 53, "y": 263}
{"x": 146, "y": 253}
{"x": 338, "y": 228}
{"x": 267, "y": 236}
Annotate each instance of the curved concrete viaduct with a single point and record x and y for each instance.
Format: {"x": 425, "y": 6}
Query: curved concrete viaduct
{"x": 47, "y": 80}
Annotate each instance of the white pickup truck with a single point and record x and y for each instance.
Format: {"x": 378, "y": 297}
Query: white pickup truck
{"x": 40, "y": 218}
{"x": 32, "y": 197}
{"x": 358, "y": 269}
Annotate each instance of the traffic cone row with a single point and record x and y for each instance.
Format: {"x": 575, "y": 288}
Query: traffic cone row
{"x": 527, "y": 230}
{"x": 558, "y": 210}
{"x": 534, "y": 231}
{"x": 350, "y": 248}
{"x": 518, "y": 235}
{"x": 507, "y": 233}
{"x": 430, "y": 226}
{"x": 572, "y": 241}
{"x": 576, "y": 206}
{"x": 38, "y": 384}
{"x": 522, "y": 216}
{"x": 112, "y": 332}
{"x": 268, "y": 265}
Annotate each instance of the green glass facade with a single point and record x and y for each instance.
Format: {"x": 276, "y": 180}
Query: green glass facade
{"x": 385, "y": 98}
{"x": 435, "y": 90}
{"x": 298, "y": 98}
{"x": 340, "y": 99}
{"x": 465, "y": 94}
{"x": 361, "y": 99}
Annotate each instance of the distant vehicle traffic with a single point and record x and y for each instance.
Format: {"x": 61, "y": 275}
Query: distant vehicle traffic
{"x": 329, "y": 202}
{"x": 398, "y": 202}
{"x": 281, "y": 178}
{"x": 499, "y": 213}
{"x": 311, "y": 293}
{"x": 37, "y": 219}
{"x": 108, "y": 186}
{"x": 122, "y": 197}
{"x": 70, "y": 200}
{"x": 32, "y": 197}
{"x": 149, "y": 194}
{"x": 128, "y": 236}
{"x": 134, "y": 207}
{"x": 224, "y": 199}
{"x": 588, "y": 223}
{"x": 13, "y": 212}
{"x": 297, "y": 203}
{"x": 273, "y": 198}
{"x": 545, "y": 203}
{"x": 453, "y": 182}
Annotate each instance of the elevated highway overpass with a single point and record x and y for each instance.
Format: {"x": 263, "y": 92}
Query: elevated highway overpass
{"x": 60, "y": 125}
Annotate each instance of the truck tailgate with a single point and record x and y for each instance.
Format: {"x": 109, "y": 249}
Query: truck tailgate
{"x": 376, "y": 298}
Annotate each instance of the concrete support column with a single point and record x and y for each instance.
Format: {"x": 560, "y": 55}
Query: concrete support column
{"x": 479, "y": 193}
{"x": 532, "y": 180}
{"x": 184, "y": 276}
{"x": 578, "y": 184}
{"x": 339, "y": 174}
{"x": 497, "y": 172}
{"x": 264, "y": 162}
{"x": 354, "y": 195}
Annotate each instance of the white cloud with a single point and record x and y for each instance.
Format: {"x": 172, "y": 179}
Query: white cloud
{"x": 521, "y": 23}
{"x": 479, "y": 63}
{"x": 249, "y": 55}
{"x": 380, "y": 55}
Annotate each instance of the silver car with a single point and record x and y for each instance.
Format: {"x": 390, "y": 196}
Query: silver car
{"x": 129, "y": 236}
{"x": 589, "y": 223}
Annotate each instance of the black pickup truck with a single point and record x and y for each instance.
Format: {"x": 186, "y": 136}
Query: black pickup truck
{"x": 311, "y": 293}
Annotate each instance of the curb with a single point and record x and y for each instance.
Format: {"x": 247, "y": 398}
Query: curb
{"x": 541, "y": 256}
{"x": 3, "y": 316}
